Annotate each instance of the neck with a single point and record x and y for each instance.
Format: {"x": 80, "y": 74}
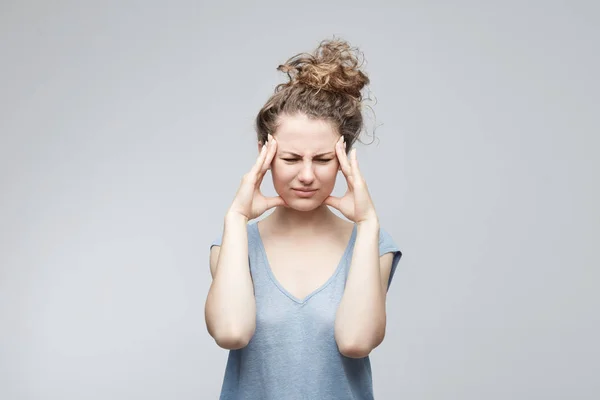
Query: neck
{"x": 286, "y": 218}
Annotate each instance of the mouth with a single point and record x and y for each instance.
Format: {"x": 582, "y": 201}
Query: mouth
{"x": 304, "y": 192}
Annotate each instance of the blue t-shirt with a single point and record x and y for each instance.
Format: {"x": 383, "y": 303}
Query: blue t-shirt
{"x": 293, "y": 353}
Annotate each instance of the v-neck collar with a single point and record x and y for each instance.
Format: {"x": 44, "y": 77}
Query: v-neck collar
{"x": 317, "y": 290}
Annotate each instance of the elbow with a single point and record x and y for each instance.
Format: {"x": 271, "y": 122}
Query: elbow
{"x": 358, "y": 348}
{"x": 229, "y": 335}
{"x": 355, "y": 348}
{"x": 230, "y": 332}
{"x": 231, "y": 342}
{"x": 354, "y": 351}
{"x": 233, "y": 339}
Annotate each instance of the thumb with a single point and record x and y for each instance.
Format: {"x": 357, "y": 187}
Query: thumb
{"x": 333, "y": 202}
{"x": 274, "y": 202}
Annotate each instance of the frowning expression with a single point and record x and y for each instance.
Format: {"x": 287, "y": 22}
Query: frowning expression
{"x": 305, "y": 166}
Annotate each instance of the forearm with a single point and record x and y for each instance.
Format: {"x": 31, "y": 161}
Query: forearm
{"x": 230, "y": 309}
{"x": 360, "y": 319}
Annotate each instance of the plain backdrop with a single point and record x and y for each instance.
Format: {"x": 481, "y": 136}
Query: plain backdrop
{"x": 126, "y": 127}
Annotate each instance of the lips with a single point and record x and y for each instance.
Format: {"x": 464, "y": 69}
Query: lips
{"x": 304, "y": 192}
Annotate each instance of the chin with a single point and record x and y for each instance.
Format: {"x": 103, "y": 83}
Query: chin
{"x": 304, "y": 205}
{"x": 299, "y": 204}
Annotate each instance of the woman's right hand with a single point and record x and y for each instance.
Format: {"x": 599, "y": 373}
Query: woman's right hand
{"x": 249, "y": 201}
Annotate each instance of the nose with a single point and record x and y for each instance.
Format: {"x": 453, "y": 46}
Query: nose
{"x": 306, "y": 175}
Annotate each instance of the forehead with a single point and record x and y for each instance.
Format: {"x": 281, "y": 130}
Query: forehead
{"x": 299, "y": 133}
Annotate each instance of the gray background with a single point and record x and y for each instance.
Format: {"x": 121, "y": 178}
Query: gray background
{"x": 125, "y": 130}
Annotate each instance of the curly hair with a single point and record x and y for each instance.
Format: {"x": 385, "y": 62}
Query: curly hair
{"x": 325, "y": 85}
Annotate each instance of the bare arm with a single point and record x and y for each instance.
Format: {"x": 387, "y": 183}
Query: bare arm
{"x": 361, "y": 317}
{"x": 230, "y": 309}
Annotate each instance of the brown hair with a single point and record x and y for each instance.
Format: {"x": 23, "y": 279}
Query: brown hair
{"x": 324, "y": 85}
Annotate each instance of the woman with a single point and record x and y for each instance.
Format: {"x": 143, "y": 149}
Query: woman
{"x": 299, "y": 297}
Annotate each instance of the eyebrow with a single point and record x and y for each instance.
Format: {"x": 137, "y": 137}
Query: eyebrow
{"x": 317, "y": 155}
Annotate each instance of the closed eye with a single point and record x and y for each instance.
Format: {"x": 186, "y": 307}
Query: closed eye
{"x": 321, "y": 160}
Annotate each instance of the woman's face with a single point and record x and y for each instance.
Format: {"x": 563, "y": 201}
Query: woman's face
{"x": 305, "y": 166}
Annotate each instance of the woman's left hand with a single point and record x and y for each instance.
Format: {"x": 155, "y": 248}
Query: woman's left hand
{"x": 356, "y": 204}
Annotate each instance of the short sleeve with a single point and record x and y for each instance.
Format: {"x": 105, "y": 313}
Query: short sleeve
{"x": 217, "y": 240}
{"x": 387, "y": 245}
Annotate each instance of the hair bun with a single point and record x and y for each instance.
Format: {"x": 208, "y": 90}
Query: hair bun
{"x": 333, "y": 66}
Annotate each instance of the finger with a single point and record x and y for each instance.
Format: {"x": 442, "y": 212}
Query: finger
{"x": 270, "y": 154}
{"x": 343, "y": 159}
{"x": 259, "y": 160}
{"x": 268, "y": 159}
{"x": 354, "y": 164}
{"x": 333, "y": 202}
{"x": 274, "y": 202}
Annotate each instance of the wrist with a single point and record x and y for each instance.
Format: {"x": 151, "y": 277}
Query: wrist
{"x": 372, "y": 220}
{"x": 235, "y": 217}
{"x": 368, "y": 224}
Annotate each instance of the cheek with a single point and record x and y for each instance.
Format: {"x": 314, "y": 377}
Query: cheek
{"x": 327, "y": 175}
{"x": 282, "y": 172}
{"x": 328, "y": 172}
